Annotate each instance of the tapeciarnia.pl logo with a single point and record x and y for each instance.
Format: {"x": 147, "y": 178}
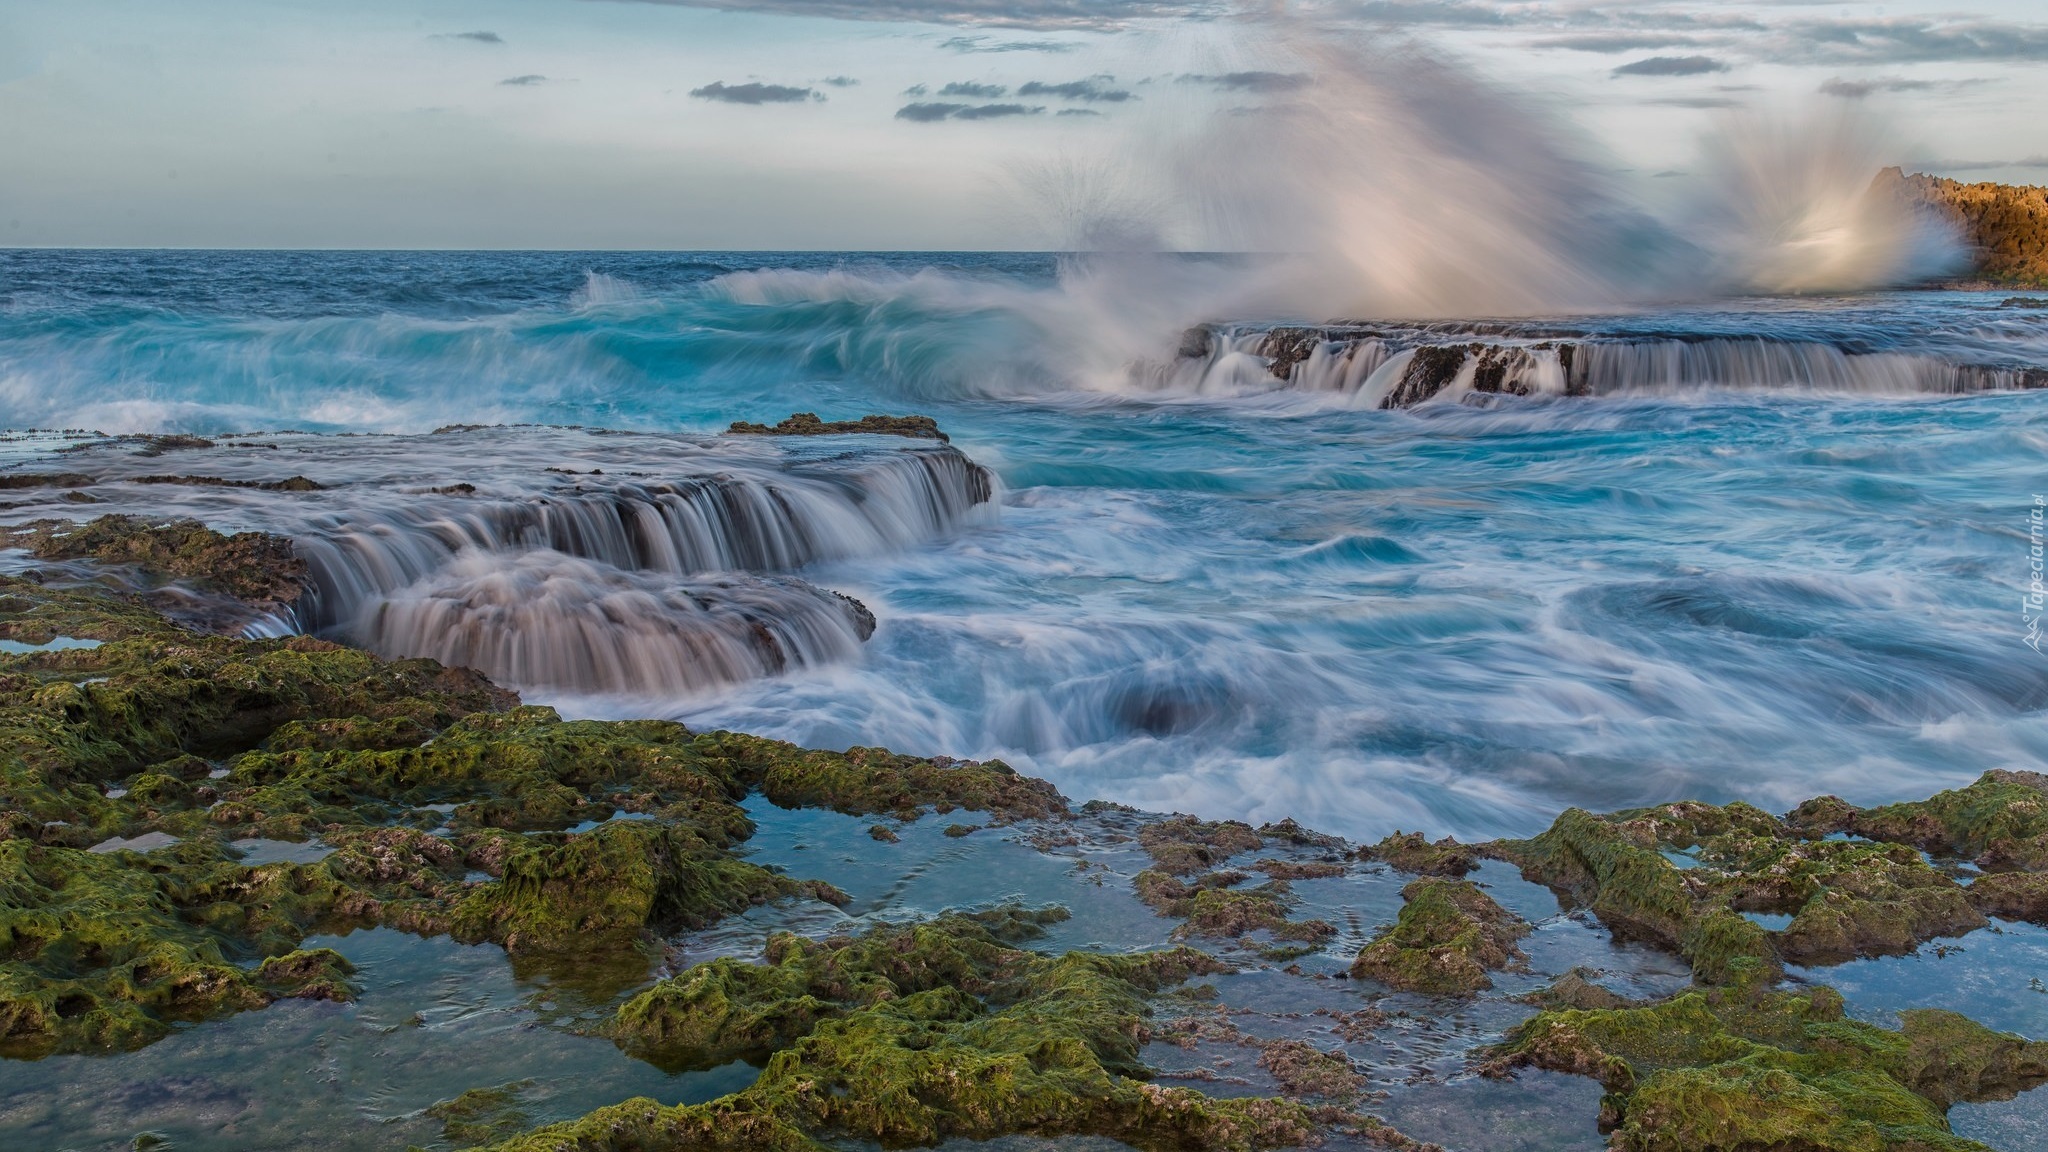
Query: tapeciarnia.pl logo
{"x": 2037, "y": 593}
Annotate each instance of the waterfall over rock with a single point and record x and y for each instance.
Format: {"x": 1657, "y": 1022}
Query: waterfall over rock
{"x": 562, "y": 559}
{"x": 1400, "y": 367}
{"x": 543, "y": 619}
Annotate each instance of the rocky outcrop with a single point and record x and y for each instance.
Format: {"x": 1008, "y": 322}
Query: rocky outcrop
{"x": 808, "y": 424}
{"x": 2005, "y": 224}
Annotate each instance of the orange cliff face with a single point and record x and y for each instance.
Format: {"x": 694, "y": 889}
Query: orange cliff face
{"x": 2006, "y": 224}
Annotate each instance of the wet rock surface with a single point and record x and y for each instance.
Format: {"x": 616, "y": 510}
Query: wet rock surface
{"x": 808, "y": 424}
{"x": 739, "y": 915}
{"x": 1449, "y": 936}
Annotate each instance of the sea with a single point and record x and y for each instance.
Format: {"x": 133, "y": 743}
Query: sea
{"x": 1440, "y": 574}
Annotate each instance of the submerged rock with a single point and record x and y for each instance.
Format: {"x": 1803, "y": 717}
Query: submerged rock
{"x": 1211, "y": 906}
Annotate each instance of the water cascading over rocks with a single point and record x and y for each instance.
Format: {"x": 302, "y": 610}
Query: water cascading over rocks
{"x": 540, "y": 617}
{"x": 1395, "y": 366}
{"x": 552, "y": 558}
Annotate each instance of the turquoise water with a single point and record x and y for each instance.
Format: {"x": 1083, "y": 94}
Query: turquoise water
{"x": 1225, "y": 595}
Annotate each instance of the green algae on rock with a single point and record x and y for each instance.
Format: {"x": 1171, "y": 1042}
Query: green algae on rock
{"x": 1846, "y": 898}
{"x": 1412, "y": 852}
{"x": 725, "y": 1010}
{"x": 159, "y": 732}
{"x": 253, "y": 566}
{"x": 1729, "y": 1069}
{"x": 1183, "y": 845}
{"x": 1211, "y": 905}
{"x": 1638, "y": 894}
{"x": 1448, "y": 936}
{"x": 2000, "y": 822}
{"x": 604, "y": 890}
{"x": 482, "y": 1115}
{"x": 912, "y": 1034}
{"x": 106, "y": 951}
{"x": 808, "y": 424}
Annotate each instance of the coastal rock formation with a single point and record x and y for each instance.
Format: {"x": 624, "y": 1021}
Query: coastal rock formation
{"x": 2005, "y": 225}
{"x": 142, "y": 764}
{"x": 1720, "y": 1071}
{"x": 259, "y": 569}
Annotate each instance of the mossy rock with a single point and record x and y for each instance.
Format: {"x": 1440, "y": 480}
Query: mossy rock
{"x": 808, "y": 424}
{"x": 1448, "y": 937}
{"x": 251, "y": 566}
{"x": 1846, "y": 898}
{"x": 371, "y": 756}
{"x": 107, "y": 951}
{"x": 1211, "y": 905}
{"x": 910, "y": 1036}
{"x": 727, "y": 1009}
{"x": 1412, "y": 852}
{"x": 1729, "y": 1070}
{"x": 1183, "y": 845}
{"x": 2000, "y": 821}
{"x": 1640, "y": 895}
{"x": 603, "y": 890}
{"x": 482, "y": 1115}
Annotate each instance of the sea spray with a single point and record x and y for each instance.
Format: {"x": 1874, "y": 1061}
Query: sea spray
{"x": 1789, "y": 202}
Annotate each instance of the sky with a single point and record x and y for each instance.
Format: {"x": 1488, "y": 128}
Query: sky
{"x": 901, "y": 124}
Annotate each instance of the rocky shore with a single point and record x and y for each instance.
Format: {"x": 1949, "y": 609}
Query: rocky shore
{"x": 156, "y": 780}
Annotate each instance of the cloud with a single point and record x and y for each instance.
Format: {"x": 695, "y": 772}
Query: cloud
{"x": 839, "y": 81}
{"x": 984, "y": 44}
{"x": 1249, "y": 81}
{"x": 1976, "y": 165}
{"x": 1672, "y": 66}
{"x": 526, "y": 81}
{"x": 926, "y": 113}
{"x": 1077, "y": 112}
{"x": 1093, "y": 90}
{"x": 916, "y": 90}
{"x": 1907, "y": 41}
{"x": 1447, "y": 13}
{"x": 996, "y": 111}
{"x": 973, "y": 91}
{"x": 755, "y": 93}
{"x": 1093, "y": 15}
{"x": 1697, "y": 102}
{"x": 478, "y": 37}
{"x": 1612, "y": 42}
{"x": 1858, "y": 89}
